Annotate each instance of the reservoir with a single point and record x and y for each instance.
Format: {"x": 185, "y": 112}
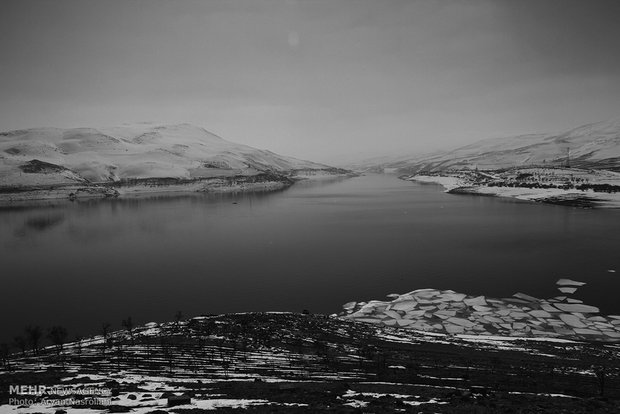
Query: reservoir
{"x": 313, "y": 246}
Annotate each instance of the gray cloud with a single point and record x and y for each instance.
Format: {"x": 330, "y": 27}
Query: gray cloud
{"x": 317, "y": 79}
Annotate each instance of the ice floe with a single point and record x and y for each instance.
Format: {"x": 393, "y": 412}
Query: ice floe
{"x": 577, "y": 307}
{"x": 569, "y": 282}
{"x": 572, "y": 320}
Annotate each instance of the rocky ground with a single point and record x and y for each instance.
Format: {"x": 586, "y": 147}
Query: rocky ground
{"x": 287, "y": 363}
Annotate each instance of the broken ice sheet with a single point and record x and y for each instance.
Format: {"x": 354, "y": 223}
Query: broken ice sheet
{"x": 442, "y": 312}
{"x": 569, "y": 282}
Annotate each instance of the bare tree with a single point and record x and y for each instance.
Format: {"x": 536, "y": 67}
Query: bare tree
{"x": 5, "y": 351}
{"x": 105, "y": 331}
{"x": 34, "y": 335}
{"x": 21, "y": 343}
{"x": 166, "y": 348}
{"x": 78, "y": 341}
{"x": 178, "y": 317}
{"x": 128, "y": 324}
{"x": 600, "y": 374}
{"x": 58, "y": 336}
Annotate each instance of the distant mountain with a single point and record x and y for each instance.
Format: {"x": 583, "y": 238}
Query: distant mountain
{"x": 48, "y": 156}
{"x": 594, "y": 145}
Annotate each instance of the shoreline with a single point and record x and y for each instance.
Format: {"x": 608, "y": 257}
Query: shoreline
{"x": 457, "y": 183}
{"x": 162, "y": 186}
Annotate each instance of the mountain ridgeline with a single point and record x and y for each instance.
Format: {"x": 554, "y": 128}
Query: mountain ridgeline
{"x": 42, "y": 158}
{"x": 592, "y": 146}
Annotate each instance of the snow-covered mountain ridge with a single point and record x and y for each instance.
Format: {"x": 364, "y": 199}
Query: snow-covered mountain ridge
{"x": 595, "y": 146}
{"x": 80, "y": 156}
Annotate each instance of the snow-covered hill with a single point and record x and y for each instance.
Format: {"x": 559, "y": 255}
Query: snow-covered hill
{"x": 594, "y": 145}
{"x": 302, "y": 363}
{"x": 139, "y": 151}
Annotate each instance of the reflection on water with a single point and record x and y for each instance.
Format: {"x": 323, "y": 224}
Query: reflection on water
{"x": 313, "y": 246}
{"x": 39, "y": 222}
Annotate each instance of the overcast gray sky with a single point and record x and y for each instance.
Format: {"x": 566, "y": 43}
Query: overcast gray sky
{"x": 326, "y": 80}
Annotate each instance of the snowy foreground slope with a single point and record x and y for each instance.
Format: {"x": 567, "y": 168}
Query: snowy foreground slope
{"x": 296, "y": 363}
{"x": 135, "y": 155}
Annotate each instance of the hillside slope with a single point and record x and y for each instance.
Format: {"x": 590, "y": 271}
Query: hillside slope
{"x": 142, "y": 151}
{"x": 594, "y": 145}
{"x": 163, "y": 155}
{"x": 295, "y": 363}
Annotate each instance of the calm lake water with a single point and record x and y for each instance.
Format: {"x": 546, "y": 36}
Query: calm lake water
{"x": 313, "y": 246}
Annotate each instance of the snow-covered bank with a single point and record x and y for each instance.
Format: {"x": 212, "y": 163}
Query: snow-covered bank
{"x": 574, "y": 187}
{"x": 448, "y": 182}
{"x": 69, "y": 192}
{"x": 547, "y": 195}
{"x": 163, "y": 186}
{"x": 259, "y": 182}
